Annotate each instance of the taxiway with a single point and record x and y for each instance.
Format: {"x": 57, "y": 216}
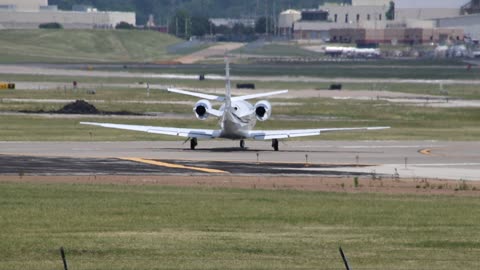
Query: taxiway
{"x": 403, "y": 159}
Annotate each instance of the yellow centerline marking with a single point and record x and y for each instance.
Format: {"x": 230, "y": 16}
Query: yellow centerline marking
{"x": 171, "y": 165}
{"x": 427, "y": 152}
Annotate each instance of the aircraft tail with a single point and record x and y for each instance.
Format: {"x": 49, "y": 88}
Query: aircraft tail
{"x": 228, "y": 86}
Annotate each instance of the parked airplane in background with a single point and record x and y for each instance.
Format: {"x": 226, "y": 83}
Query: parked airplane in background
{"x": 237, "y": 119}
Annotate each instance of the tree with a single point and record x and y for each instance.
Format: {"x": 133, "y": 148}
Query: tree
{"x": 241, "y": 29}
{"x": 390, "y": 15}
{"x": 163, "y": 9}
{"x": 52, "y": 25}
{"x": 124, "y": 25}
{"x": 223, "y": 30}
{"x": 261, "y": 25}
{"x": 180, "y": 24}
{"x": 200, "y": 26}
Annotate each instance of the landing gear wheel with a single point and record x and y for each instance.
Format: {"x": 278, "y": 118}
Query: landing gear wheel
{"x": 275, "y": 144}
{"x": 242, "y": 144}
{"x": 193, "y": 143}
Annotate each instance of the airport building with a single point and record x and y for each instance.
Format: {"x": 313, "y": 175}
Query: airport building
{"x": 366, "y": 21}
{"x": 29, "y": 14}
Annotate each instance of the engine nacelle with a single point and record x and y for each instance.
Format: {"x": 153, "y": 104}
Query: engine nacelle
{"x": 201, "y": 109}
{"x": 263, "y": 109}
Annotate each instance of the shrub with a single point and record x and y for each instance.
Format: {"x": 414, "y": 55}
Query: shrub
{"x": 52, "y": 25}
{"x": 124, "y": 25}
{"x": 355, "y": 182}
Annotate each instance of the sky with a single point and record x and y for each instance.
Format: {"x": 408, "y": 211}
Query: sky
{"x": 430, "y": 3}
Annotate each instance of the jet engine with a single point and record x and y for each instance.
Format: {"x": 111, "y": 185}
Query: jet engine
{"x": 263, "y": 109}
{"x": 201, "y": 109}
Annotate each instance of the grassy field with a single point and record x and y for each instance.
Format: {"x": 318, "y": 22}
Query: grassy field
{"x": 407, "y": 122}
{"x": 152, "y": 227}
{"x": 463, "y": 91}
{"x": 403, "y": 69}
{"x": 67, "y": 46}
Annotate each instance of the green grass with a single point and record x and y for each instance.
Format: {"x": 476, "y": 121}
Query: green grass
{"x": 334, "y": 70}
{"x": 407, "y": 122}
{"x": 101, "y": 93}
{"x": 67, "y": 46}
{"x": 152, "y": 227}
{"x": 463, "y": 91}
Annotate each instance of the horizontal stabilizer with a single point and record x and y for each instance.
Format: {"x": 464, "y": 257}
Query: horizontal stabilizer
{"x": 196, "y": 94}
{"x": 260, "y": 95}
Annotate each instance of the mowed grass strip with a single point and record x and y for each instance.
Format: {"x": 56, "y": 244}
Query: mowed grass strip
{"x": 462, "y": 91}
{"x": 153, "y": 227}
{"x": 66, "y": 46}
{"x": 407, "y": 122}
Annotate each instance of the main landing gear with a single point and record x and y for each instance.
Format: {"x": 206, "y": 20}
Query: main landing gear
{"x": 275, "y": 144}
{"x": 242, "y": 144}
{"x": 193, "y": 143}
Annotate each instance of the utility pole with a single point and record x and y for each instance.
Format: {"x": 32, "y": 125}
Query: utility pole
{"x": 274, "y": 18}
{"x": 257, "y": 10}
{"x": 176, "y": 26}
{"x": 186, "y": 27}
{"x": 266, "y": 18}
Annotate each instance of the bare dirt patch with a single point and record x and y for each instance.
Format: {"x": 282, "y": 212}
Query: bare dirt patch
{"x": 323, "y": 184}
{"x": 219, "y": 49}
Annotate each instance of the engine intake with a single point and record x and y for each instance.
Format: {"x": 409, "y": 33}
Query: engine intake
{"x": 263, "y": 110}
{"x": 201, "y": 109}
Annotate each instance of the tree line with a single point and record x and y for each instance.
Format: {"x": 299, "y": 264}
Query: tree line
{"x": 165, "y": 10}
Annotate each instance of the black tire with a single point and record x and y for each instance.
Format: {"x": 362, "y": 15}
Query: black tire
{"x": 193, "y": 143}
{"x": 242, "y": 144}
{"x": 275, "y": 144}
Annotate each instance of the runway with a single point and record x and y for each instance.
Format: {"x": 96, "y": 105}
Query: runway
{"x": 399, "y": 159}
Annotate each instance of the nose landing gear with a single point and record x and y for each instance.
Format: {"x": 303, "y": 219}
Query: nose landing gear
{"x": 242, "y": 144}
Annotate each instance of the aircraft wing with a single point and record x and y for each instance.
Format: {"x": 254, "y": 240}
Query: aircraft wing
{"x": 181, "y": 132}
{"x": 285, "y": 134}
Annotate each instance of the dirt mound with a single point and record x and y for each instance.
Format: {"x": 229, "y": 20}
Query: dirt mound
{"x": 79, "y": 107}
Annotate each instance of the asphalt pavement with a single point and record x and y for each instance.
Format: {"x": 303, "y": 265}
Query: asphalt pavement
{"x": 405, "y": 159}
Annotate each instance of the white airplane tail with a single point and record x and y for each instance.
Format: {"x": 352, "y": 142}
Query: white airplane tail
{"x": 228, "y": 85}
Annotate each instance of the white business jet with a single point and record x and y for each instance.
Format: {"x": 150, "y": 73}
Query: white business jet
{"x": 237, "y": 119}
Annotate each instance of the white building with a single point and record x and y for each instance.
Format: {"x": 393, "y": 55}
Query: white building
{"x": 365, "y": 21}
{"x": 286, "y": 21}
{"x": 371, "y": 2}
{"x": 232, "y": 22}
{"x": 23, "y": 5}
{"x": 29, "y": 14}
{"x": 470, "y": 24}
{"x": 371, "y": 16}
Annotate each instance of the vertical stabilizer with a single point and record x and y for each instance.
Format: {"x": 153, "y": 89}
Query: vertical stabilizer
{"x": 228, "y": 87}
